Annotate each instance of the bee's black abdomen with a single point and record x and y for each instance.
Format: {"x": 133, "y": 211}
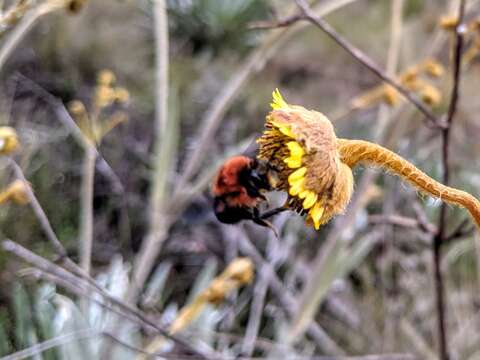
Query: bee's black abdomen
{"x": 230, "y": 215}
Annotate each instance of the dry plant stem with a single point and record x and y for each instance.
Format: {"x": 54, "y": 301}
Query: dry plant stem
{"x": 24, "y": 26}
{"x": 86, "y": 208}
{"x": 158, "y": 226}
{"x": 354, "y": 152}
{"x": 40, "y": 214}
{"x": 437, "y": 242}
{"x": 365, "y": 60}
{"x": 83, "y": 288}
{"x": 405, "y": 222}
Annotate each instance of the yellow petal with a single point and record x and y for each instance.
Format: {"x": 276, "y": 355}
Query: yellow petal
{"x": 293, "y": 163}
{"x": 296, "y": 181}
{"x": 285, "y": 130}
{"x": 316, "y": 214}
{"x": 304, "y": 194}
{"x": 310, "y": 200}
{"x": 278, "y": 101}
{"x": 295, "y": 149}
{"x": 296, "y": 188}
{"x": 297, "y": 174}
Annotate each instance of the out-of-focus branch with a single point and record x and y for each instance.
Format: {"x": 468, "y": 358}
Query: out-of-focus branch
{"x": 437, "y": 242}
{"x": 309, "y": 15}
{"x": 25, "y": 25}
{"x": 41, "y": 217}
{"x": 402, "y": 221}
{"x": 158, "y": 223}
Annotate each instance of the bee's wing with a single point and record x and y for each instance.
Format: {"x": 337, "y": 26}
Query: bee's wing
{"x": 252, "y": 149}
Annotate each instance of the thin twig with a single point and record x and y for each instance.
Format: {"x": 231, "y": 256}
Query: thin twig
{"x": 39, "y": 213}
{"x": 256, "y": 312}
{"x": 309, "y": 15}
{"x": 402, "y": 221}
{"x": 24, "y": 26}
{"x": 86, "y": 208}
{"x": 438, "y": 240}
{"x": 284, "y": 22}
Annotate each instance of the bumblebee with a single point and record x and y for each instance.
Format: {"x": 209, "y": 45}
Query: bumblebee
{"x": 239, "y": 189}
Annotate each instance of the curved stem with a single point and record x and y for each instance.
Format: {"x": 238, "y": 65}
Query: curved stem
{"x": 353, "y": 152}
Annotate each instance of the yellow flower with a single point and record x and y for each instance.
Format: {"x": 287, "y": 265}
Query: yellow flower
{"x": 308, "y": 162}
{"x": 300, "y": 145}
{"x": 8, "y": 140}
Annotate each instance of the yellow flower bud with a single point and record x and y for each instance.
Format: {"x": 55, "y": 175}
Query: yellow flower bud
{"x": 106, "y": 78}
{"x": 449, "y": 22}
{"x": 433, "y": 68}
{"x": 104, "y": 96}
{"x": 122, "y": 95}
{"x": 430, "y": 95}
{"x": 16, "y": 192}
{"x": 8, "y": 140}
{"x": 77, "y": 108}
{"x": 19, "y": 192}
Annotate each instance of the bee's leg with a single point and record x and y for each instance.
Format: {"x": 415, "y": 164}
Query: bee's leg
{"x": 262, "y": 222}
{"x": 273, "y": 212}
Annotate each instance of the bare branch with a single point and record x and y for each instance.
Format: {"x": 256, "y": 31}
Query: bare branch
{"x": 365, "y": 60}
{"x": 438, "y": 240}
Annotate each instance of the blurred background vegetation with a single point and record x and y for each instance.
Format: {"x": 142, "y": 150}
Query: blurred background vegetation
{"x": 377, "y": 288}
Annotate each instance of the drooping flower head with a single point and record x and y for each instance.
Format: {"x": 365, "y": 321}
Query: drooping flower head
{"x": 301, "y": 147}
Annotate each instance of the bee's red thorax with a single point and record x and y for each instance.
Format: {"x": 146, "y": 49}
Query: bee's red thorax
{"x": 227, "y": 182}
